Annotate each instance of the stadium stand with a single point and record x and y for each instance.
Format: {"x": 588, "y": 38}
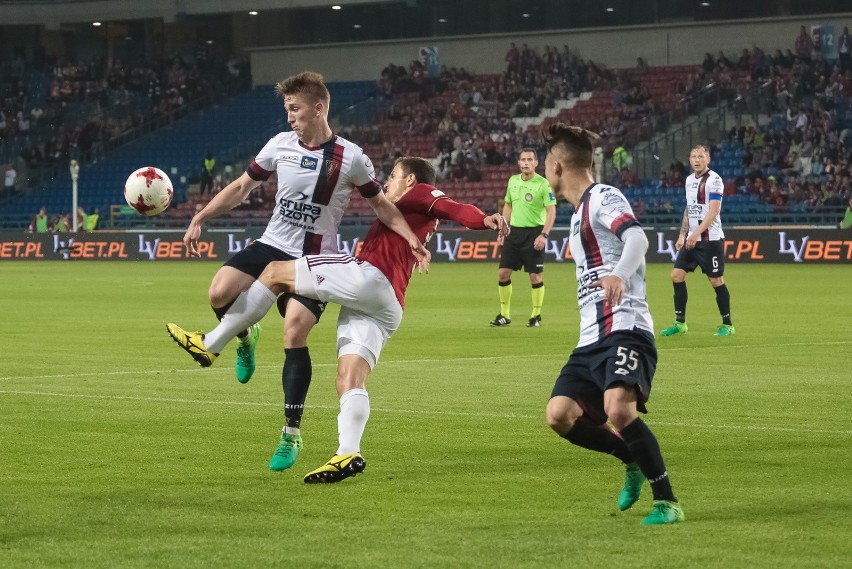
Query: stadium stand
{"x": 473, "y": 125}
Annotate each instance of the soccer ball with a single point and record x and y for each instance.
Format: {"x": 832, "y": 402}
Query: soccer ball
{"x": 148, "y": 190}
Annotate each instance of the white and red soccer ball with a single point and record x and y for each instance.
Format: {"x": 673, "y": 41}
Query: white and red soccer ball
{"x": 148, "y": 190}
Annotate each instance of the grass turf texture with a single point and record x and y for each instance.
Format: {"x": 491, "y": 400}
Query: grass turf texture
{"x": 119, "y": 451}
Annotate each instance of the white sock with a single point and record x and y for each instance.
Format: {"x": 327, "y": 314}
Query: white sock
{"x": 246, "y": 310}
{"x": 352, "y": 419}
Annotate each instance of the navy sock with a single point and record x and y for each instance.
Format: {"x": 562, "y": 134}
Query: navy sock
{"x": 645, "y": 449}
{"x": 723, "y": 301}
{"x": 295, "y": 379}
{"x": 599, "y": 438}
{"x": 680, "y": 297}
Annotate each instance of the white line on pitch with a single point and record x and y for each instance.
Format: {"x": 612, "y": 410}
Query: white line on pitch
{"x": 403, "y": 362}
{"x": 411, "y": 411}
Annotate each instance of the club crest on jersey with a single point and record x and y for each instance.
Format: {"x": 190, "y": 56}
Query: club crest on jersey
{"x": 309, "y": 163}
{"x": 576, "y": 228}
{"x": 528, "y": 197}
{"x": 332, "y": 166}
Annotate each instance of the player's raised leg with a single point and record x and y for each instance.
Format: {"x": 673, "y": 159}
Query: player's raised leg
{"x": 227, "y": 284}
{"x": 192, "y": 343}
{"x": 244, "y": 363}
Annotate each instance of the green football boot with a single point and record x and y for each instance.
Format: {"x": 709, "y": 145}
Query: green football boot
{"x": 725, "y": 330}
{"x": 244, "y": 364}
{"x": 633, "y": 482}
{"x": 664, "y": 512}
{"x": 675, "y": 329}
{"x": 286, "y": 453}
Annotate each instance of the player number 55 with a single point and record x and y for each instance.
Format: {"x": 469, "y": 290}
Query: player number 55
{"x": 626, "y": 358}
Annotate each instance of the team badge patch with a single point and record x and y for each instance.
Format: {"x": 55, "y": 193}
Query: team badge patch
{"x": 331, "y": 167}
{"x": 528, "y": 197}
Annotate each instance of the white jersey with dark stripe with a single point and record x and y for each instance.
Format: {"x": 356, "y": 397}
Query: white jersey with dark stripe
{"x": 597, "y": 225}
{"x": 700, "y": 190}
{"x": 314, "y": 187}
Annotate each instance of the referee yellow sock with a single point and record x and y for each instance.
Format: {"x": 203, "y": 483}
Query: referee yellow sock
{"x": 537, "y": 294}
{"x": 505, "y": 290}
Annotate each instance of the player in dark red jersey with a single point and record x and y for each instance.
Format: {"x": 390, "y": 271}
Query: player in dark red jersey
{"x": 370, "y": 288}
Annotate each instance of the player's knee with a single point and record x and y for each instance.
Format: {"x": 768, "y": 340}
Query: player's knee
{"x": 559, "y": 417}
{"x": 219, "y": 294}
{"x": 620, "y": 415}
{"x": 678, "y": 276}
{"x": 277, "y": 277}
{"x": 297, "y": 326}
{"x": 716, "y": 281}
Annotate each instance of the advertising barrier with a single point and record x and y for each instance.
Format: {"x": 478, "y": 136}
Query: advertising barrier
{"x": 742, "y": 245}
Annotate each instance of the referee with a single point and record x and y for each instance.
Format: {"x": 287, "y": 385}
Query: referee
{"x": 530, "y": 211}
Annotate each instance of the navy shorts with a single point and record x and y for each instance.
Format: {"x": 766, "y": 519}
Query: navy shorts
{"x": 253, "y": 259}
{"x": 709, "y": 255}
{"x": 518, "y": 250}
{"x": 623, "y": 357}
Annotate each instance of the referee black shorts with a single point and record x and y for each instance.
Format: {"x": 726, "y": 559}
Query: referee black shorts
{"x": 627, "y": 357}
{"x": 709, "y": 255}
{"x": 254, "y": 258}
{"x": 518, "y": 250}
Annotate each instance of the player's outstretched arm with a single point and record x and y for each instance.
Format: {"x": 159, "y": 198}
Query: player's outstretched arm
{"x": 230, "y": 197}
{"x": 466, "y": 214}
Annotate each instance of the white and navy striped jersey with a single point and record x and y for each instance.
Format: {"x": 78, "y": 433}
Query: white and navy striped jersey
{"x": 599, "y": 220}
{"x": 314, "y": 187}
{"x": 700, "y": 190}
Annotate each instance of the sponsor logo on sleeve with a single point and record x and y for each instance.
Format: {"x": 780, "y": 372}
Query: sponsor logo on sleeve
{"x": 610, "y": 198}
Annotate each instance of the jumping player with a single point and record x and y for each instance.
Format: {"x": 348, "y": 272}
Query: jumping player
{"x": 370, "y": 289}
{"x": 317, "y": 171}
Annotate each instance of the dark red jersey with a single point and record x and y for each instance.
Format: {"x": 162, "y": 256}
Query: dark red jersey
{"x": 422, "y": 207}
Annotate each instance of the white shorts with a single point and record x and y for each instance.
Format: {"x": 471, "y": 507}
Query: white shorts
{"x": 370, "y": 312}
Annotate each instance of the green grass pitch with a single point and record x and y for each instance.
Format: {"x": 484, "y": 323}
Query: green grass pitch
{"x": 116, "y": 450}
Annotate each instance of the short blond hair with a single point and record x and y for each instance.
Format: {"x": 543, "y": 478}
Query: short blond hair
{"x": 308, "y": 84}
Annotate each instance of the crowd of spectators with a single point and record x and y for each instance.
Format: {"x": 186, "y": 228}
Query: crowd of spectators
{"x": 475, "y": 128}
{"x": 803, "y": 157}
{"x": 87, "y": 102}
